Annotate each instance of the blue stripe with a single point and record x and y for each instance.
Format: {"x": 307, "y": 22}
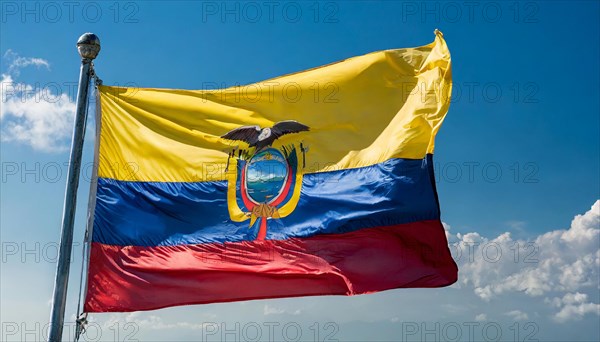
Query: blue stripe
{"x": 165, "y": 214}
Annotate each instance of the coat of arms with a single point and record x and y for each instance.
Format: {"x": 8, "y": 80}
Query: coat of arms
{"x": 266, "y": 183}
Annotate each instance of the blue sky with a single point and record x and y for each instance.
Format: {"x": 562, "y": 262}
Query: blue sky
{"x": 518, "y": 152}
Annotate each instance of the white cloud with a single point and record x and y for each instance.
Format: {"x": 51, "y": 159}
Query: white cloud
{"x": 574, "y": 298}
{"x": 517, "y": 315}
{"x": 559, "y": 262}
{"x": 33, "y": 115}
{"x": 573, "y": 306}
{"x": 150, "y": 321}
{"x": 576, "y": 311}
{"x": 18, "y": 62}
{"x": 481, "y": 318}
{"x": 269, "y": 310}
{"x": 447, "y": 230}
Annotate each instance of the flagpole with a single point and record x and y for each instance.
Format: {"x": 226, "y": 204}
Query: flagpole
{"x": 88, "y": 46}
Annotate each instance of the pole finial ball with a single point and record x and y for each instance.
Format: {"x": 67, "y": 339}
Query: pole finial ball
{"x": 88, "y": 46}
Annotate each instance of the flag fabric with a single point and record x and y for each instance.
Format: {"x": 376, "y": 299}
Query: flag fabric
{"x": 315, "y": 183}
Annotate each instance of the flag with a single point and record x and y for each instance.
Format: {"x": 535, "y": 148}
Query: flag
{"x": 314, "y": 183}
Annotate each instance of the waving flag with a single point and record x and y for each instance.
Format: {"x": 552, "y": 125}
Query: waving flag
{"x": 315, "y": 183}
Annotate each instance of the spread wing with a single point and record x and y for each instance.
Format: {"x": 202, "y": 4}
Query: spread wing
{"x": 248, "y": 134}
{"x": 287, "y": 127}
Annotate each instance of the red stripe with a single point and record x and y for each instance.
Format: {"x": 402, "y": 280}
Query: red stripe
{"x": 262, "y": 231}
{"x": 133, "y": 278}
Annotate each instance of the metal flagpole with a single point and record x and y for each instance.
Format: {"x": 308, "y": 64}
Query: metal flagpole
{"x": 88, "y": 46}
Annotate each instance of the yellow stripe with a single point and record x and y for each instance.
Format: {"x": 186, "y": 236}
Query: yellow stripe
{"x": 361, "y": 111}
